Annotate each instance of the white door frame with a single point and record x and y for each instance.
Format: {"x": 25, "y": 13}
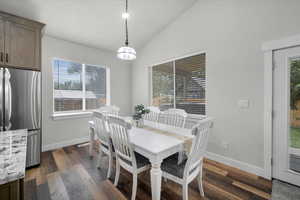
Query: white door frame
{"x": 268, "y": 48}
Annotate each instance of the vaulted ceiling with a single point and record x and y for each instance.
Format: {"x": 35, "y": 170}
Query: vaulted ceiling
{"x": 98, "y": 23}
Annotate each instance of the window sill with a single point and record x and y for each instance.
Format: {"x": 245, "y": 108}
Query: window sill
{"x": 73, "y": 115}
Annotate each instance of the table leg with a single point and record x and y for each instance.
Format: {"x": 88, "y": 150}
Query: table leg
{"x": 156, "y": 180}
{"x": 92, "y": 140}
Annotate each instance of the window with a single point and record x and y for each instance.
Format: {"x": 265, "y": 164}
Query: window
{"x": 78, "y": 87}
{"x": 163, "y": 87}
{"x": 180, "y": 84}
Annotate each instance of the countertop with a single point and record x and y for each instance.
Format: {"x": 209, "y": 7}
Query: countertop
{"x": 12, "y": 155}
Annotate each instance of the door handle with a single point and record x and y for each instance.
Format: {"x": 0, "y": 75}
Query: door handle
{"x": 1, "y": 57}
{"x": 6, "y": 57}
{"x": 8, "y": 99}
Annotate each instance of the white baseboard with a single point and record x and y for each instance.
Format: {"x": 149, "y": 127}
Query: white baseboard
{"x": 237, "y": 164}
{"x": 58, "y": 145}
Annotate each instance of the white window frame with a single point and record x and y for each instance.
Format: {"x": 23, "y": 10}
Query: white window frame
{"x": 173, "y": 63}
{"x": 79, "y": 113}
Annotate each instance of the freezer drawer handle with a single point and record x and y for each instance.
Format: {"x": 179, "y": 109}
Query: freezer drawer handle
{"x": 7, "y": 57}
{"x": 1, "y": 59}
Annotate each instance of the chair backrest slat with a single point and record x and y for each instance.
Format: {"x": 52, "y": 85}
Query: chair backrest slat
{"x": 109, "y": 110}
{"x": 173, "y": 117}
{"x": 119, "y": 133}
{"x": 153, "y": 115}
{"x": 101, "y": 127}
{"x": 201, "y": 132}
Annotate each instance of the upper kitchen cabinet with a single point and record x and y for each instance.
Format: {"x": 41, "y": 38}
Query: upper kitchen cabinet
{"x": 20, "y": 42}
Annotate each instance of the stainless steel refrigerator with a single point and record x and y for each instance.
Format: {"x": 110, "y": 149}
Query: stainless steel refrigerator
{"x": 20, "y": 107}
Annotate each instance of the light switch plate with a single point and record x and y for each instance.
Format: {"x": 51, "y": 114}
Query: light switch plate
{"x": 243, "y": 103}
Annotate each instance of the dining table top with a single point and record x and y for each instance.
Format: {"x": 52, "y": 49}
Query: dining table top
{"x": 151, "y": 141}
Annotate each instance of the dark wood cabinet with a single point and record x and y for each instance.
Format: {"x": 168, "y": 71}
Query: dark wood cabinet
{"x": 20, "y": 42}
{"x": 12, "y": 191}
{"x": 21, "y": 46}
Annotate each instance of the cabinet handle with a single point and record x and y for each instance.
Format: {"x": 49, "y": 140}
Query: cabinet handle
{"x": 1, "y": 57}
{"x": 6, "y": 57}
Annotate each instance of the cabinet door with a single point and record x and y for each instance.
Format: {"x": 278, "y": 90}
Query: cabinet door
{"x": 11, "y": 191}
{"x": 1, "y": 40}
{"x": 22, "y": 46}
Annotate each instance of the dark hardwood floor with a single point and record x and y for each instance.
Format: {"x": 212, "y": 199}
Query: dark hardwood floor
{"x": 70, "y": 173}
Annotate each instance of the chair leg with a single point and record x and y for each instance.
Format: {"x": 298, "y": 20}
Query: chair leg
{"x": 117, "y": 172}
{"x": 200, "y": 183}
{"x": 185, "y": 191}
{"x": 110, "y": 160}
{"x": 134, "y": 186}
{"x": 99, "y": 158}
{"x": 180, "y": 157}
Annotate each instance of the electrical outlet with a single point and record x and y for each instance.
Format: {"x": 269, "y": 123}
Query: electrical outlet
{"x": 225, "y": 145}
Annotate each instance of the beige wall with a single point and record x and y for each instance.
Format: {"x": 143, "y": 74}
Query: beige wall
{"x": 66, "y": 130}
{"x": 231, "y": 33}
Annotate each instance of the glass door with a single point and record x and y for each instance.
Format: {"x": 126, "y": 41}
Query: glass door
{"x": 286, "y": 118}
{"x": 294, "y": 132}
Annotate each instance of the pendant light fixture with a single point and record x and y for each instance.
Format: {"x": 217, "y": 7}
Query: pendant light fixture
{"x": 126, "y": 52}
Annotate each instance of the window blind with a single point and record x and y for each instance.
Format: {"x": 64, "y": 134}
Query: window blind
{"x": 95, "y": 87}
{"x": 180, "y": 84}
{"x": 191, "y": 84}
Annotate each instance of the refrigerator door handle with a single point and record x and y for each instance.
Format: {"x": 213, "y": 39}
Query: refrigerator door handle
{"x": 34, "y": 101}
{"x": 2, "y": 100}
{"x": 32, "y": 110}
{"x": 8, "y": 99}
{"x": 38, "y": 99}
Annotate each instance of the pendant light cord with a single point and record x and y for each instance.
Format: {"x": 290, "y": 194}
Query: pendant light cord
{"x": 126, "y": 25}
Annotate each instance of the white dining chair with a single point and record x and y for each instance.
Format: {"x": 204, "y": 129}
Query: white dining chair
{"x": 173, "y": 117}
{"x": 109, "y": 110}
{"x": 177, "y": 118}
{"x": 105, "y": 145}
{"x": 153, "y": 115}
{"x": 191, "y": 168}
{"x": 126, "y": 157}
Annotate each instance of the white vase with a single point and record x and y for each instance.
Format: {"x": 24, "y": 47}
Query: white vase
{"x": 139, "y": 123}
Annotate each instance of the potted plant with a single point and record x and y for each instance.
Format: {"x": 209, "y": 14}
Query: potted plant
{"x": 139, "y": 111}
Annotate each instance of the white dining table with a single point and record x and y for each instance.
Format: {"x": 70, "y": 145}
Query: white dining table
{"x": 154, "y": 146}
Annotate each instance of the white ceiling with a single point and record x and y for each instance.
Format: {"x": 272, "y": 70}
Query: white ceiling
{"x": 98, "y": 23}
